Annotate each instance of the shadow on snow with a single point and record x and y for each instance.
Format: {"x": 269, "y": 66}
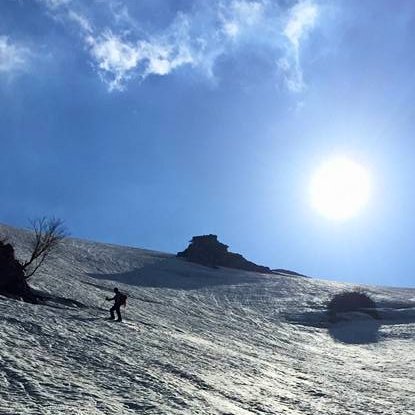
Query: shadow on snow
{"x": 356, "y": 327}
{"x": 178, "y": 274}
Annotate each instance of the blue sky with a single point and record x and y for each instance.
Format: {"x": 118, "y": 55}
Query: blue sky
{"x": 147, "y": 122}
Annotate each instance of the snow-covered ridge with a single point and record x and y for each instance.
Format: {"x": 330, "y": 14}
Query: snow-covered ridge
{"x": 197, "y": 341}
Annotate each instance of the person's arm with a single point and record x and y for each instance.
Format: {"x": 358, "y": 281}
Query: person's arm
{"x": 110, "y": 299}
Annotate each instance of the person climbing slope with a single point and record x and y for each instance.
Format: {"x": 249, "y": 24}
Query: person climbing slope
{"x": 119, "y": 300}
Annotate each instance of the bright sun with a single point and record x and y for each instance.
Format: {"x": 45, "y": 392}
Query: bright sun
{"x": 340, "y": 188}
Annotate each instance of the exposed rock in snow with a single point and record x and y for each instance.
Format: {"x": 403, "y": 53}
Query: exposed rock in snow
{"x": 12, "y": 277}
{"x": 288, "y": 272}
{"x": 207, "y": 250}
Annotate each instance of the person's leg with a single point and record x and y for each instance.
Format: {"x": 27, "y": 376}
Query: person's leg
{"x": 112, "y": 309}
{"x": 117, "y": 309}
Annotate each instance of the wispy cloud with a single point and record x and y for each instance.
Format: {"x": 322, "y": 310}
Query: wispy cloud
{"x": 115, "y": 58}
{"x": 120, "y": 49}
{"x": 118, "y": 59}
{"x": 81, "y": 20}
{"x": 239, "y": 15}
{"x": 55, "y": 4}
{"x": 301, "y": 20}
{"x": 13, "y": 57}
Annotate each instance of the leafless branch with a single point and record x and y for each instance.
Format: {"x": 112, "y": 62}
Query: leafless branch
{"x": 47, "y": 234}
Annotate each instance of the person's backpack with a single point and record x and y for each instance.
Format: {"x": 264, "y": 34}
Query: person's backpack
{"x": 123, "y": 299}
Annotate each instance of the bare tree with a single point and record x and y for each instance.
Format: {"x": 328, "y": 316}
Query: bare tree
{"x": 47, "y": 235}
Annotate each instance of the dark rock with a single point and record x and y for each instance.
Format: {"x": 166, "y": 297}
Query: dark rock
{"x": 288, "y": 272}
{"x": 207, "y": 250}
{"x": 12, "y": 278}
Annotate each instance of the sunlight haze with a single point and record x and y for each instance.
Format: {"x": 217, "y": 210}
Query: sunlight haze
{"x": 340, "y": 188}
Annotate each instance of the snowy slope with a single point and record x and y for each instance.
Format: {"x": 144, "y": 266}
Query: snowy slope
{"x": 197, "y": 341}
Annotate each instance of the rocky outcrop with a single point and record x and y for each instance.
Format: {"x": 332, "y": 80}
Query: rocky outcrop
{"x": 287, "y": 272}
{"x": 12, "y": 278}
{"x": 207, "y": 250}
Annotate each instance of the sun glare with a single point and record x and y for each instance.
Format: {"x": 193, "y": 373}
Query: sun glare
{"x": 340, "y": 188}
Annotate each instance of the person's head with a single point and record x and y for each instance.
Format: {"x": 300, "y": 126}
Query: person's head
{"x": 115, "y": 290}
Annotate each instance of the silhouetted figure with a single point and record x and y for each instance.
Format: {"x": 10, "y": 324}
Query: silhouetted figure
{"x": 119, "y": 300}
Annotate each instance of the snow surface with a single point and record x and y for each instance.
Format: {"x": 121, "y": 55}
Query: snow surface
{"x": 197, "y": 341}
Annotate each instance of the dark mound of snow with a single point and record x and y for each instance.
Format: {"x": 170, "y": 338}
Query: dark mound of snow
{"x": 351, "y": 301}
{"x": 207, "y": 250}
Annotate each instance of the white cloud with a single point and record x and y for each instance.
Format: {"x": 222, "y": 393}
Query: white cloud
{"x": 121, "y": 49}
{"x": 82, "y": 21}
{"x": 231, "y": 28}
{"x": 163, "y": 58}
{"x": 238, "y": 15}
{"x": 291, "y": 74}
{"x": 301, "y": 20}
{"x": 115, "y": 58}
{"x": 54, "y": 4}
{"x": 13, "y": 57}
{"x": 119, "y": 60}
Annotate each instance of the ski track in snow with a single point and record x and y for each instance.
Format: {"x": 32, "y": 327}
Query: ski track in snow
{"x": 197, "y": 341}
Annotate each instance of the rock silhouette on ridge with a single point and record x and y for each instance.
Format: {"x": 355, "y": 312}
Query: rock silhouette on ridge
{"x": 207, "y": 250}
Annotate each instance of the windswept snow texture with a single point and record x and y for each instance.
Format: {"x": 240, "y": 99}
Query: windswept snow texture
{"x": 197, "y": 341}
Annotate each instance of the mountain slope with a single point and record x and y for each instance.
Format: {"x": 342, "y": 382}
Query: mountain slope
{"x": 197, "y": 341}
